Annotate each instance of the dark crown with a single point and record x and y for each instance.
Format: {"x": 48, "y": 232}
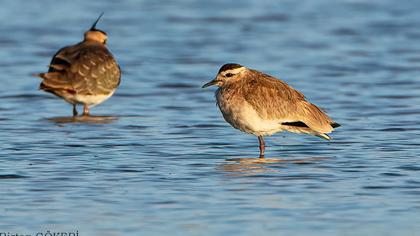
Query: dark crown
{"x": 229, "y": 66}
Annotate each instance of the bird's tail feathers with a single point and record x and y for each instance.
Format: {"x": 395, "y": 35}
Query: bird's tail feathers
{"x": 54, "y": 80}
{"x": 324, "y": 136}
{"x": 335, "y": 125}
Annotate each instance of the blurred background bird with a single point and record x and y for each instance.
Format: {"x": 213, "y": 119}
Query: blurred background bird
{"x": 259, "y": 104}
{"x": 85, "y": 73}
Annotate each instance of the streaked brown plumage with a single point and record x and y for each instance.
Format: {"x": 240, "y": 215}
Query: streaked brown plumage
{"x": 260, "y": 104}
{"x": 85, "y": 73}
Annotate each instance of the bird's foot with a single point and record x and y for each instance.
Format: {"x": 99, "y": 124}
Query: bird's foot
{"x": 85, "y": 110}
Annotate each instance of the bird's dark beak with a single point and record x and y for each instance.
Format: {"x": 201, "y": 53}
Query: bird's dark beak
{"x": 94, "y": 24}
{"x": 211, "y": 83}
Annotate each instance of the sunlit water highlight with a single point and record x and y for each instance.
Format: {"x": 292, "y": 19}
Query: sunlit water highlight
{"x": 158, "y": 159}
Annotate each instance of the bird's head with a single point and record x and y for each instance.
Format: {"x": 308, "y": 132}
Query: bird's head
{"x": 94, "y": 34}
{"x": 228, "y": 73}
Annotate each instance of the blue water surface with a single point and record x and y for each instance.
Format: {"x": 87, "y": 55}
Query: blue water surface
{"x": 160, "y": 159}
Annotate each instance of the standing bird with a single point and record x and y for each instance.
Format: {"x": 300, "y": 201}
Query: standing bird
{"x": 259, "y": 104}
{"x": 85, "y": 73}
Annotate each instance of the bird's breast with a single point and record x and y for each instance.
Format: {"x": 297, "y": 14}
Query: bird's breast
{"x": 241, "y": 115}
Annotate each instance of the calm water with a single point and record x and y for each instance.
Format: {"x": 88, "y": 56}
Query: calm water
{"x": 165, "y": 163}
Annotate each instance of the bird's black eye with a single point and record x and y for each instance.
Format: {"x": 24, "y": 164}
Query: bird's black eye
{"x": 229, "y": 75}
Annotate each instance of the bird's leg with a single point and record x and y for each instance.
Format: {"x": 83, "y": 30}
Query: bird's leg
{"x": 85, "y": 110}
{"x": 74, "y": 110}
{"x": 262, "y": 146}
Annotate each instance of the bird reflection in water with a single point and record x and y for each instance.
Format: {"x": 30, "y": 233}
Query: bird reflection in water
{"x": 84, "y": 119}
{"x": 255, "y": 166}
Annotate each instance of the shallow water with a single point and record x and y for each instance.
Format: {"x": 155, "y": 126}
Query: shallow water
{"x": 158, "y": 159}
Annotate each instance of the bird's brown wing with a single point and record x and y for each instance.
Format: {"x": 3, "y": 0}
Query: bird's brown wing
{"x": 276, "y": 100}
{"x": 55, "y": 80}
{"x": 83, "y": 69}
{"x": 270, "y": 97}
{"x": 95, "y": 71}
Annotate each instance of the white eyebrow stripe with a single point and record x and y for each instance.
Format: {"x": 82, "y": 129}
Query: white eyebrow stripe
{"x": 234, "y": 71}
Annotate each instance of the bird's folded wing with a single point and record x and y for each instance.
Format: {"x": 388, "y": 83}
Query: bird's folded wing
{"x": 82, "y": 69}
{"x": 95, "y": 72}
{"x": 275, "y": 100}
